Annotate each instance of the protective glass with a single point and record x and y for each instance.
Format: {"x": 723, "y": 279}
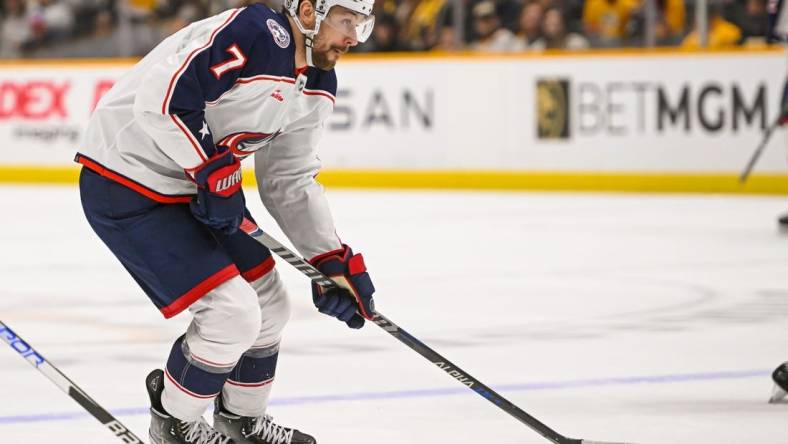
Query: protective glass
{"x": 351, "y": 24}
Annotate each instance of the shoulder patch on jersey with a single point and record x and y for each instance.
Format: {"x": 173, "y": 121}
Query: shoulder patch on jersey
{"x": 280, "y": 34}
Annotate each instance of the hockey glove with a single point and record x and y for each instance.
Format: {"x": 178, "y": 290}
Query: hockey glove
{"x": 220, "y": 202}
{"x": 352, "y": 302}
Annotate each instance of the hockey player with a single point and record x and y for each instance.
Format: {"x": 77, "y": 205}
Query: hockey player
{"x": 161, "y": 186}
{"x": 777, "y": 32}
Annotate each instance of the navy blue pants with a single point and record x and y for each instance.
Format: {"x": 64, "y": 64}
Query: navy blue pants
{"x": 174, "y": 258}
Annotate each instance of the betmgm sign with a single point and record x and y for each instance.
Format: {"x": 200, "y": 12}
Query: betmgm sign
{"x": 570, "y": 108}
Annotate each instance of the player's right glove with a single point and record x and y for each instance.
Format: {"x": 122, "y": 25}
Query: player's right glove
{"x": 352, "y": 301}
{"x": 220, "y": 202}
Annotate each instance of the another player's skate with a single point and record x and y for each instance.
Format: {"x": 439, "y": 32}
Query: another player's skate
{"x": 165, "y": 429}
{"x": 782, "y": 223}
{"x": 780, "y": 377}
{"x": 259, "y": 430}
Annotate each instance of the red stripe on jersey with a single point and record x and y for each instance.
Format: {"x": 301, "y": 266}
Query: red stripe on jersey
{"x": 188, "y": 60}
{"x": 188, "y": 298}
{"x": 242, "y": 81}
{"x": 128, "y": 183}
{"x": 326, "y": 94}
{"x": 264, "y": 77}
{"x": 260, "y": 270}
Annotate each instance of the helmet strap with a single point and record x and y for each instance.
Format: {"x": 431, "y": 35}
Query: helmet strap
{"x": 309, "y": 37}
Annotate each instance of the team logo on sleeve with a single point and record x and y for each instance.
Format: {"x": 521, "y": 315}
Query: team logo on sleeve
{"x": 281, "y": 36}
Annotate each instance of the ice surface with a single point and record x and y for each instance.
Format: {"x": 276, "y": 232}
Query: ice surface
{"x": 654, "y": 319}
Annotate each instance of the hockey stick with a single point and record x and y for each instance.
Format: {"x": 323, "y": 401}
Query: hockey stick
{"x": 67, "y": 385}
{"x": 419, "y": 347}
{"x": 759, "y": 150}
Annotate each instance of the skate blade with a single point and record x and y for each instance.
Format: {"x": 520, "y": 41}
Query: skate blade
{"x": 778, "y": 396}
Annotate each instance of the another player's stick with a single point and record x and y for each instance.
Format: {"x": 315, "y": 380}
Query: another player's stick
{"x": 419, "y": 347}
{"x": 67, "y": 385}
{"x": 759, "y": 150}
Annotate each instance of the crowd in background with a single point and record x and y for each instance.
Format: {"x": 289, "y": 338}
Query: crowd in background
{"x": 109, "y": 28}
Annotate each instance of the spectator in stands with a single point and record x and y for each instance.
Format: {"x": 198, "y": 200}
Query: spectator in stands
{"x": 673, "y": 18}
{"x": 509, "y": 12}
{"x": 421, "y": 29}
{"x": 447, "y": 40}
{"x": 572, "y": 11}
{"x": 669, "y": 26}
{"x": 103, "y": 42}
{"x": 14, "y": 28}
{"x": 447, "y": 29}
{"x": 530, "y": 29}
{"x": 404, "y": 9}
{"x": 555, "y": 36}
{"x": 752, "y": 19}
{"x": 492, "y": 37}
{"x": 50, "y": 21}
{"x": 722, "y": 33}
{"x": 605, "y": 21}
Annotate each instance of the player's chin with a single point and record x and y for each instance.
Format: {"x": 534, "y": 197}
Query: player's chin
{"x": 326, "y": 61}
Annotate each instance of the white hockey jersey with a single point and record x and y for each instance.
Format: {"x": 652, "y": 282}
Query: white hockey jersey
{"x": 228, "y": 81}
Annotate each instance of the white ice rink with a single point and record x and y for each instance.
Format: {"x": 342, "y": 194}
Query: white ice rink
{"x": 645, "y": 318}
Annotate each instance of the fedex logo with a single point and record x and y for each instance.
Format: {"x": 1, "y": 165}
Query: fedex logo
{"x": 33, "y": 100}
{"x": 20, "y": 346}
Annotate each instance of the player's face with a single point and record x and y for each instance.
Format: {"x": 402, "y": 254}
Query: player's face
{"x": 338, "y": 33}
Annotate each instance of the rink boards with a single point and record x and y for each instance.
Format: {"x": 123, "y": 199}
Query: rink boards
{"x": 660, "y": 121}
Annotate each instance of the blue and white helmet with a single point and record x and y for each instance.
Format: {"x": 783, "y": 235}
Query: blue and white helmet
{"x": 360, "y": 30}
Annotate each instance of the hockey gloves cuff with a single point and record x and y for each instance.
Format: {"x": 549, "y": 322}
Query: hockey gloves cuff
{"x": 219, "y": 203}
{"x": 352, "y": 302}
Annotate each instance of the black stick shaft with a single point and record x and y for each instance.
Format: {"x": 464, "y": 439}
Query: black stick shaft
{"x": 767, "y": 135}
{"x": 67, "y": 385}
{"x": 413, "y": 343}
{"x": 469, "y": 381}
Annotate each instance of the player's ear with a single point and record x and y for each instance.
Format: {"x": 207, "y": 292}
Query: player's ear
{"x": 306, "y": 12}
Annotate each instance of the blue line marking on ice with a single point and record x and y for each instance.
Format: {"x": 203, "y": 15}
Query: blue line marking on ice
{"x": 427, "y": 393}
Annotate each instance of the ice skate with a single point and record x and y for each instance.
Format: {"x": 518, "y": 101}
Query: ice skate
{"x": 256, "y": 430}
{"x": 780, "y": 391}
{"x": 165, "y": 429}
{"x": 782, "y": 223}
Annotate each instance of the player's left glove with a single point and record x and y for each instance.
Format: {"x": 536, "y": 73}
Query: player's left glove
{"x": 352, "y": 302}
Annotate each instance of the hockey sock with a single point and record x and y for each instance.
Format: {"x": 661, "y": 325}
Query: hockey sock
{"x": 249, "y": 384}
{"x": 190, "y": 383}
